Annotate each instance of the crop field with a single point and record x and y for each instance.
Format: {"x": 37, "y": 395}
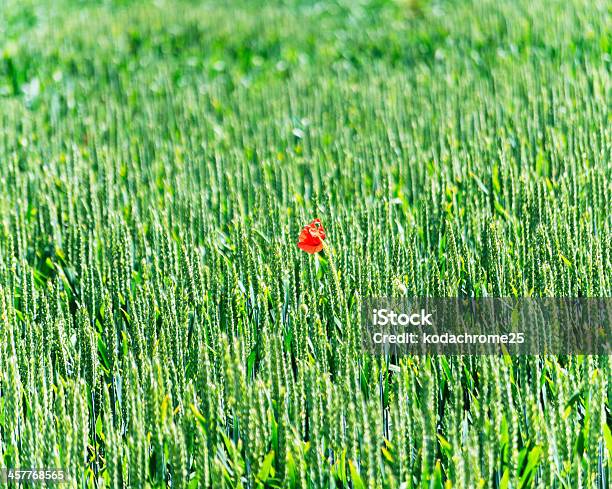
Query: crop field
{"x": 159, "y": 325}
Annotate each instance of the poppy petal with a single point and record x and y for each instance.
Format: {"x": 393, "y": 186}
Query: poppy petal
{"x": 310, "y": 248}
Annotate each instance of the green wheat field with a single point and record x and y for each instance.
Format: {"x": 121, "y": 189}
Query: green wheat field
{"x": 159, "y": 326}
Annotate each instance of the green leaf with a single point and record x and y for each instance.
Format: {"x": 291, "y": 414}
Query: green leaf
{"x": 533, "y": 459}
{"x": 198, "y": 415}
{"x": 608, "y": 438}
{"x": 565, "y": 260}
{"x": 505, "y": 480}
{"x": 445, "y": 445}
{"x": 266, "y": 467}
{"x": 436, "y": 480}
{"x": 355, "y": 477}
{"x": 99, "y": 428}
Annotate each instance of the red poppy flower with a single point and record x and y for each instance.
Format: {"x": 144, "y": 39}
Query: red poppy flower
{"x": 311, "y": 237}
